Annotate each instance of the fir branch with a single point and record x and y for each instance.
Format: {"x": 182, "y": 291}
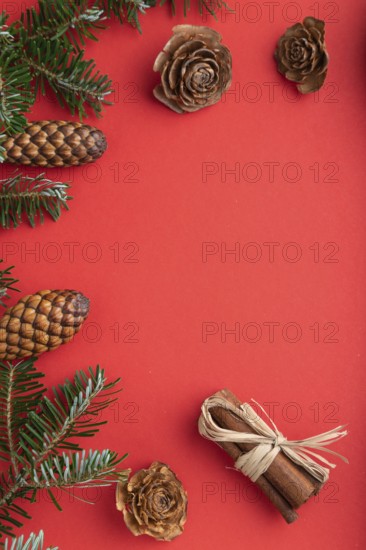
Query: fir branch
{"x": 40, "y": 427}
{"x": 71, "y": 22}
{"x": 22, "y": 196}
{"x": 71, "y": 413}
{"x": 76, "y": 469}
{"x": 20, "y": 394}
{"x": 204, "y": 6}
{"x": 6, "y": 34}
{"x": 15, "y": 95}
{"x": 75, "y": 81}
{"x": 34, "y": 542}
{"x": 6, "y": 283}
{"x": 126, "y": 10}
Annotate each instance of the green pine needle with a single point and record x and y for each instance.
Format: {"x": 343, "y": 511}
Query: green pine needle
{"x": 73, "y": 22}
{"x": 34, "y": 542}
{"x": 16, "y": 96}
{"x": 20, "y": 392}
{"x": 126, "y": 10}
{"x": 209, "y": 6}
{"x": 76, "y": 81}
{"x": 76, "y": 469}
{"x": 37, "y": 437}
{"x": 70, "y": 413}
{"x": 6, "y": 283}
{"x": 31, "y": 198}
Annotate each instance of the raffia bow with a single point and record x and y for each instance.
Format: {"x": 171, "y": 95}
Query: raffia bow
{"x": 269, "y": 442}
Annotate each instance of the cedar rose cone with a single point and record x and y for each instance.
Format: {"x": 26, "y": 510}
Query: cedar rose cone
{"x": 153, "y": 503}
{"x": 302, "y": 56}
{"x": 195, "y": 69}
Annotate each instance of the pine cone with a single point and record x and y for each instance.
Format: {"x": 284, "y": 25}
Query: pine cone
{"x": 302, "y": 56}
{"x": 195, "y": 69}
{"x": 41, "y": 322}
{"x": 153, "y": 502}
{"x": 57, "y": 143}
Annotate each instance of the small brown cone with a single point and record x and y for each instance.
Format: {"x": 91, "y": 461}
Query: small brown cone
{"x": 153, "y": 502}
{"x": 55, "y": 143}
{"x": 302, "y": 56}
{"x": 41, "y": 322}
{"x": 195, "y": 69}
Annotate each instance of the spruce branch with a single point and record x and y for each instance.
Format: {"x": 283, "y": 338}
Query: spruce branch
{"x": 16, "y": 96}
{"x": 76, "y": 81}
{"x": 126, "y": 10}
{"x": 6, "y": 35}
{"x": 20, "y": 392}
{"x": 70, "y": 413}
{"x": 76, "y": 469}
{"x": 6, "y": 283}
{"x": 70, "y": 22}
{"x": 40, "y": 427}
{"x": 33, "y": 542}
{"x": 204, "y": 6}
{"x": 23, "y": 196}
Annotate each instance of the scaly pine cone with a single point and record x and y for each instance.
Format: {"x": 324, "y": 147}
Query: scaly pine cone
{"x": 41, "y": 322}
{"x": 55, "y": 143}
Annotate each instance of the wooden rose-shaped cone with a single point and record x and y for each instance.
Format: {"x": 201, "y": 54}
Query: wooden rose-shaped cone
{"x": 195, "y": 69}
{"x": 41, "y": 322}
{"x": 153, "y": 502}
{"x": 302, "y": 56}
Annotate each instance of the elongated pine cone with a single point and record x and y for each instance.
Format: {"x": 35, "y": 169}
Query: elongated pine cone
{"x": 41, "y": 322}
{"x": 55, "y": 143}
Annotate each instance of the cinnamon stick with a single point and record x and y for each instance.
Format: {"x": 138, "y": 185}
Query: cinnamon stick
{"x": 285, "y": 476}
{"x": 286, "y": 510}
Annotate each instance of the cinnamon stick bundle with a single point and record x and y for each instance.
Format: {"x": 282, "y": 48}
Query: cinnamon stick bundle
{"x": 286, "y": 484}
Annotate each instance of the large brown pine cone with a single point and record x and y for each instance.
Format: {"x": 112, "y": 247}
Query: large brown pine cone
{"x": 195, "y": 69}
{"x": 153, "y": 503}
{"x": 41, "y": 322}
{"x": 302, "y": 56}
{"x": 57, "y": 143}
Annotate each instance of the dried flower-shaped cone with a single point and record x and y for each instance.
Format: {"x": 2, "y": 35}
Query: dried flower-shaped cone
{"x": 302, "y": 56}
{"x": 41, "y": 322}
{"x": 153, "y": 502}
{"x": 55, "y": 143}
{"x": 195, "y": 69}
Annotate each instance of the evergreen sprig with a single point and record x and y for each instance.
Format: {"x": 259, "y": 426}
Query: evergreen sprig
{"x": 30, "y": 198}
{"x": 70, "y": 413}
{"x": 37, "y": 437}
{"x": 16, "y": 97}
{"x": 127, "y": 10}
{"x": 33, "y": 542}
{"x": 208, "y": 6}
{"x": 68, "y": 22}
{"x": 20, "y": 393}
{"x": 76, "y": 81}
{"x": 6, "y": 283}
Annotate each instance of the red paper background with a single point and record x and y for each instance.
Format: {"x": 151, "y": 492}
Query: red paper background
{"x": 139, "y": 221}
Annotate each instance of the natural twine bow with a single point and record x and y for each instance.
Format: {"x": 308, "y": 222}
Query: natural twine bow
{"x": 269, "y": 442}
